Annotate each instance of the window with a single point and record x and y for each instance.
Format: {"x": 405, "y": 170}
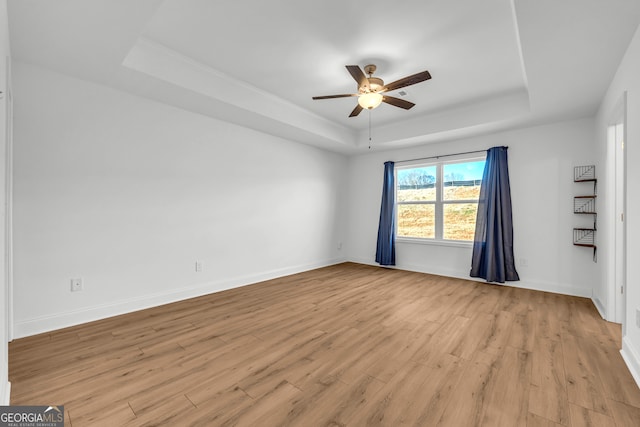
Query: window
{"x": 438, "y": 201}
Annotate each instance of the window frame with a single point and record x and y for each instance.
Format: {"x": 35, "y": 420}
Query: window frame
{"x": 438, "y": 203}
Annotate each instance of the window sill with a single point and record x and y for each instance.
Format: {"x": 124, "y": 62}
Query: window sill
{"x": 433, "y": 242}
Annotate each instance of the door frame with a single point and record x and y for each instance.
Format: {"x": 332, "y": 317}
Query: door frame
{"x": 616, "y": 138}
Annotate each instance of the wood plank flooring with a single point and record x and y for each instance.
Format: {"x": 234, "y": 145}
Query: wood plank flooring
{"x": 347, "y": 345}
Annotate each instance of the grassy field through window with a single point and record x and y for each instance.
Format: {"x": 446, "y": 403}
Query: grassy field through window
{"x": 419, "y": 220}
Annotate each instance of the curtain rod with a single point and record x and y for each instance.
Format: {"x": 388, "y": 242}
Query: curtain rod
{"x": 444, "y": 155}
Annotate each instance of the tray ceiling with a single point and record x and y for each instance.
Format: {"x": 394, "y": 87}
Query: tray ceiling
{"x": 495, "y": 64}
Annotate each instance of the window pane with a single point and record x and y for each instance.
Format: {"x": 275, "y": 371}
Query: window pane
{"x": 416, "y": 221}
{"x": 459, "y": 220}
{"x": 462, "y": 180}
{"x": 416, "y": 184}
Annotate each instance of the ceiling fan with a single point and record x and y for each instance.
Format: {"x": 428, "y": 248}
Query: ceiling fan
{"x": 370, "y": 89}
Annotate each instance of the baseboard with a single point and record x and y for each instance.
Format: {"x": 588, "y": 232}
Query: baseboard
{"x": 5, "y": 387}
{"x": 599, "y": 307}
{"x": 5, "y": 395}
{"x": 631, "y": 358}
{"x": 43, "y": 324}
{"x": 556, "y": 288}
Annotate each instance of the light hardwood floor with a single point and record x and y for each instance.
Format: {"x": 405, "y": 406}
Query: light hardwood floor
{"x": 347, "y": 345}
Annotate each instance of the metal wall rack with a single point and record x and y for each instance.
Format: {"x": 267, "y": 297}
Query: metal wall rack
{"x": 586, "y": 205}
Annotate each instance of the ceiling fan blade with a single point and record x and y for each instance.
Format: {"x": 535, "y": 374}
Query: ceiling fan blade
{"x": 356, "y": 111}
{"x": 407, "y": 81}
{"x": 346, "y": 95}
{"x": 397, "y": 102}
{"x": 358, "y": 76}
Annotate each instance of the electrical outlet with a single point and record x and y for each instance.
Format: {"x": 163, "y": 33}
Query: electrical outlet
{"x": 198, "y": 266}
{"x": 76, "y": 285}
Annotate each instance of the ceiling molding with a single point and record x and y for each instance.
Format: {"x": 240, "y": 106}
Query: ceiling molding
{"x": 494, "y": 111}
{"x": 177, "y": 69}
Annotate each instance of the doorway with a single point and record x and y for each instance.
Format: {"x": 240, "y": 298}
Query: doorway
{"x": 616, "y": 136}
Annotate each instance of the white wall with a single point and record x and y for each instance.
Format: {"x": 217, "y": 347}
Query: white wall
{"x": 541, "y": 161}
{"x": 4, "y": 290}
{"x": 626, "y": 80}
{"x": 128, "y": 194}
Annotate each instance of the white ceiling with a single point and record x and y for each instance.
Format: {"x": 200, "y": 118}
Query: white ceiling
{"x": 495, "y": 64}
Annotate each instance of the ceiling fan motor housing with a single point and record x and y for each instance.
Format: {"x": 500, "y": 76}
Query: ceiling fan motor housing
{"x": 375, "y": 84}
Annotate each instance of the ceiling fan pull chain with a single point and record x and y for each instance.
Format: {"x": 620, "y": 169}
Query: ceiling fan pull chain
{"x": 369, "y": 129}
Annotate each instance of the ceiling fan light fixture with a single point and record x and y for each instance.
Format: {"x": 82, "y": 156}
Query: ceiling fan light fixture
{"x": 370, "y": 100}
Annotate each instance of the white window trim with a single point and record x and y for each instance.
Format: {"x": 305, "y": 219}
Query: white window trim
{"x": 438, "y": 203}
{"x": 434, "y": 242}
